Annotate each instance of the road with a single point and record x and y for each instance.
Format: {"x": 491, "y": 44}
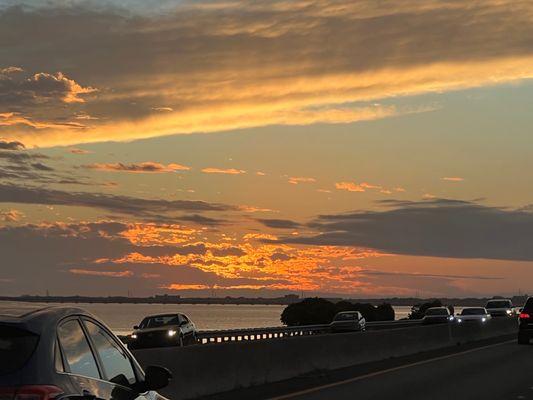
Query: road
{"x": 499, "y": 371}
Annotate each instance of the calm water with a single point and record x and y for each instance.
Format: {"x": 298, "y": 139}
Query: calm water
{"x": 122, "y": 317}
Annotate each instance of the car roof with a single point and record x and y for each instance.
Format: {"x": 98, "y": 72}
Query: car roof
{"x": 38, "y": 317}
{"x": 437, "y": 308}
{"x": 163, "y": 315}
{"x": 347, "y": 312}
{"x": 19, "y": 310}
{"x": 491, "y": 300}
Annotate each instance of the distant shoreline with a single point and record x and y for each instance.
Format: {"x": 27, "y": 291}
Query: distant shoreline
{"x": 286, "y": 300}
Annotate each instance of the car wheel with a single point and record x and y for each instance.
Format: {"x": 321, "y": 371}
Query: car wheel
{"x": 523, "y": 339}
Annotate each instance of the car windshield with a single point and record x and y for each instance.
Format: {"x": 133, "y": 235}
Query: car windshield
{"x": 16, "y": 347}
{"x": 437, "y": 311}
{"x": 499, "y": 304}
{"x": 346, "y": 317}
{"x": 159, "y": 321}
{"x": 473, "y": 311}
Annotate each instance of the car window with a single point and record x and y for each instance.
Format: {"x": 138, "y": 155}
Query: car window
{"x": 437, "y": 311}
{"x": 499, "y": 304}
{"x": 159, "y": 321}
{"x": 184, "y": 318}
{"x": 16, "y": 348}
{"x": 76, "y": 350}
{"x": 473, "y": 311}
{"x": 58, "y": 361}
{"x": 116, "y": 363}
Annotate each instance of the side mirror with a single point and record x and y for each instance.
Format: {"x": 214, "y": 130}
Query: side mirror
{"x": 136, "y": 327}
{"x": 156, "y": 377}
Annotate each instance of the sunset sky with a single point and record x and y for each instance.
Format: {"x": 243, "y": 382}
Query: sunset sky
{"x": 259, "y": 148}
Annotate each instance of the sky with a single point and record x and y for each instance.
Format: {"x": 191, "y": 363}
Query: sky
{"x": 262, "y": 148}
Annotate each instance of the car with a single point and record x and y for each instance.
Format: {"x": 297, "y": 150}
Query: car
{"x": 500, "y": 308}
{"x": 437, "y": 315}
{"x": 473, "y": 314}
{"x": 525, "y": 322}
{"x": 67, "y": 353}
{"x": 348, "y": 321}
{"x": 163, "y": 330}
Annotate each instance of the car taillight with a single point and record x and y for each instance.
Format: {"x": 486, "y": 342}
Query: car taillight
{"x": 524, "y": 315}
{"x": 30, "y": 392}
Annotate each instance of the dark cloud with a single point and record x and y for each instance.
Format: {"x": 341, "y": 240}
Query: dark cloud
{"x": 437, "y": 276}
{"x": 437, "y": 228}
{"x": 144, "y": 167}
{"x": 279, "y": 223}
{"x": 121, "y": 204}
{"x": 4, "y": 145}
{"x": 142, "y": 59}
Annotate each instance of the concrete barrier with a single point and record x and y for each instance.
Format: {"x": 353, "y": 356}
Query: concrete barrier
{"x": 209, "y": 369}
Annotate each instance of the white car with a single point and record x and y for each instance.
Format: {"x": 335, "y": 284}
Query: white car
{"x": 500, "y": 308}
{"x": 348, "y": 321}
{"x": 473, "y": 314}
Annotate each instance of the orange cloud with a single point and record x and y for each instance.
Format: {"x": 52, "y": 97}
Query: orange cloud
{"x": 295, "y": 180}
{"x": 227, "y": 171}
{"x": 11, "y": 216}
{"x": 109, "y": 274}
{"x": 453, "y": 179}
{"x": 290, "y": 80}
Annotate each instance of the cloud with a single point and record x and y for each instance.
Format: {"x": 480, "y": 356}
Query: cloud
{"x": 453, "y": 179}
{"x": 10, "y": 70}
{"x": 143, "y": 167}
{"x": 11, "y": 145}
{"x": 295, "y": 180}
{"x": 434, "y": 227}
{"x": 40, "y": 88}
{"x": 279, "y": 223}
{"x": 75, "y": 150}
{"x": 147, "y": 208}
{"x": 227, "y": 171}
{"x": 107, "y": 274}
{"x": 355, "y": 187}
{"x": 11, "y": 216}
{"x": 186, "y": 59}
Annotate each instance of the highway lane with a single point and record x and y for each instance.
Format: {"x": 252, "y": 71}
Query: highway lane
{"x": 498, "y": 371}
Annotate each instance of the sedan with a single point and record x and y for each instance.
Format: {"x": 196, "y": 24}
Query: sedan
{"x": 67, "y": 353}
{"x": 437, "y": 315}
{"x": 163, "y": 330}
{"x": 348, "y": 321}
{"x": 473, "y": 314}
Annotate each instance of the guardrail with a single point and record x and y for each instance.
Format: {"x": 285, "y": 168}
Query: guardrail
{"x": 279, "y": 332}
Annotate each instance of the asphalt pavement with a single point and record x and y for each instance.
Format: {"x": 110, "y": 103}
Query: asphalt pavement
{"x": 495, "y": 369}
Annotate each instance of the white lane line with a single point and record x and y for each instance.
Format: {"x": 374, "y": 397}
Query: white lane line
{"x": 386, "y": 371}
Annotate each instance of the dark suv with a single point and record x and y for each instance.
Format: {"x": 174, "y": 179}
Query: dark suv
{"x": 525, "y": 322}
{"x": 66, "y": 353}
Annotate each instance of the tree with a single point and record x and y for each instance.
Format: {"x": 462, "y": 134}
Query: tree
{"x": 418, "y": 311}
{"x": 308, "y": 312}
{"x": 321, "y": 311}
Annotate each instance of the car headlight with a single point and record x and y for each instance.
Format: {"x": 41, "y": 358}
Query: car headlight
{"x": 451, "y": 318}
{"x": 459, "y": 320}
{"x": 483, "y": 319}
{"x": 171, "y": 332}
{"x": 133, "y": 336}
{"x": 508, "y": 311}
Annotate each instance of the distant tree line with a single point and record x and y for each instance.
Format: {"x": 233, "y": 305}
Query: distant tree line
{"x": 314, "y": 311}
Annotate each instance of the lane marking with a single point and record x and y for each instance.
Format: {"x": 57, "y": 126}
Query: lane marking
{"x": 385, "y": 371}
